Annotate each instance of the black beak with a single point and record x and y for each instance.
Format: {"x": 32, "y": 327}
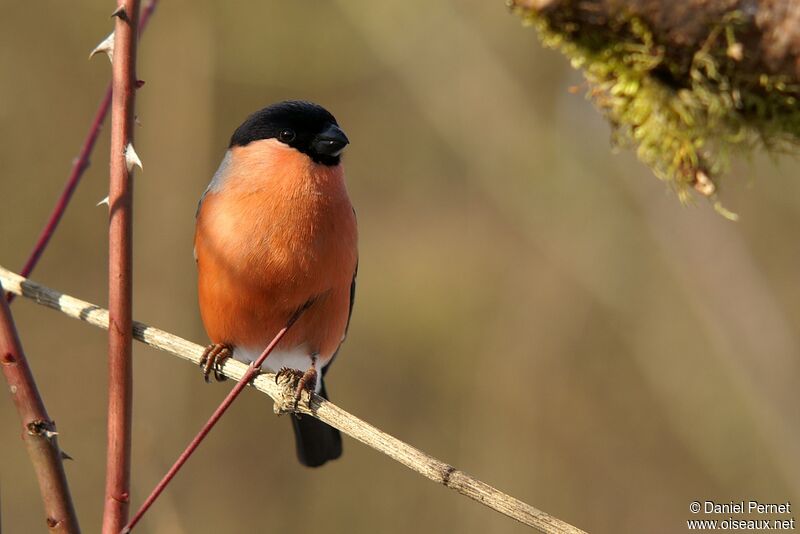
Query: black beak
{"x": 330, "y": 142}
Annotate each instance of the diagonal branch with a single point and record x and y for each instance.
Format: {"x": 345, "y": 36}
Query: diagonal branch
{"x": 253, "y": 370}
{"x": 38, "y": 430}
{"x": 318, "y": 407}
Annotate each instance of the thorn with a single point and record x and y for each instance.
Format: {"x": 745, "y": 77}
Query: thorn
{"x": 136, "y": 120}
{"x": 42, "y": 428}
{"x": 104, "y": 201}
{"x": 106, "y": 47}
{"x": 132, "y": 158}
{"x": 121, "y": 13}
{"x": 139, "y": 84}
{"x": 65, "y": 456}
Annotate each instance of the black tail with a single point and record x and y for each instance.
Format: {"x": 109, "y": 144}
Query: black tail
{"x": 316, "y": 441}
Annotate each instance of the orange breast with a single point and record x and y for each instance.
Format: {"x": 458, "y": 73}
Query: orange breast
{"x": 277, "y": 231}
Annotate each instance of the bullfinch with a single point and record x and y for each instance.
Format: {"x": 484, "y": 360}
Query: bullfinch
{"x": 276, "y": 236}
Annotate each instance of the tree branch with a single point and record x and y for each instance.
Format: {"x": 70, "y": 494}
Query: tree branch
{"x": 120, "y": 271}
{"x": 768, "y": 33}
{"x": 686, "y": 83}
{"x": 318, "y": 407}
{"x": 38, "y": 430}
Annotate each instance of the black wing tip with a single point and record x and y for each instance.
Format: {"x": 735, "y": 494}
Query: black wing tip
{"x": 317, "y": 442}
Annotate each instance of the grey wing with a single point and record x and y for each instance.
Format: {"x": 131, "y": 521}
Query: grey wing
{"x": 352, "y": 299}
{"x": 349, "y": 314}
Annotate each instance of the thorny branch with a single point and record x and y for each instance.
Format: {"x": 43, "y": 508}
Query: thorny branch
{"x": 120, "y": 267}
{"x": 315, "y": 406}
{"x": 38, "y": 430}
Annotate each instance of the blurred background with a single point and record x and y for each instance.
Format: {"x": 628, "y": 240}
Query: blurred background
{"x": 532, "y": 307}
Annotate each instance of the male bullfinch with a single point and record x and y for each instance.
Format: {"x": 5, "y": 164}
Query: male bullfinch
{"x": 276, "y": 234}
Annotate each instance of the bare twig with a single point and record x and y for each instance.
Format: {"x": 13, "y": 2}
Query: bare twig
{"x": 318, "y": 407}
{"x": 38, "y": 431}
{"x": 79, "y": 166}
{"x": 120, "y": 260}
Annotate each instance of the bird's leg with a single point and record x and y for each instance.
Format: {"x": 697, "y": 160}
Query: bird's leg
{"x": 212, "y": 359}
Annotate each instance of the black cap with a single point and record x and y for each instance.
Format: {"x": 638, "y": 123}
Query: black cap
{"x": 306, "y": 126}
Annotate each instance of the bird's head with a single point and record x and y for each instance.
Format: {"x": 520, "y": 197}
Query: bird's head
{"x": 304, "y": 126}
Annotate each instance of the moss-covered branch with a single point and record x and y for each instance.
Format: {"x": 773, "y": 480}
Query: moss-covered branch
{"x": 684, "y": 82}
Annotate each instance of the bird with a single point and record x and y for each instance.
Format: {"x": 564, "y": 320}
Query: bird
{"x": 276, "y": 238}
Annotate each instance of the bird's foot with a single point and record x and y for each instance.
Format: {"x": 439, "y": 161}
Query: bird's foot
{"x": 299, "y": 381}
{"x": 212, "y": 360}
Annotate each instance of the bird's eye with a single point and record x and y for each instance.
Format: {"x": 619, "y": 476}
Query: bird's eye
{"x": 286, "y": 136}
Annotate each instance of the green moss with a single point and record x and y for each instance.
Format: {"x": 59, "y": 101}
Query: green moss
{"x": 683, "y": 116}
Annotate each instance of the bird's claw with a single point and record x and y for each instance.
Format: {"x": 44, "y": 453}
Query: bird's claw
{"x": 299, "y": 381}
{"x": 212, "y": 360}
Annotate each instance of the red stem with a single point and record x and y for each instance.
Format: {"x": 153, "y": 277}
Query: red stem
{"x": 120, "y": 276}
{"x": 79, "y": 166}
{"x": 252, "y": 371}
{"x": 38, "y": 431}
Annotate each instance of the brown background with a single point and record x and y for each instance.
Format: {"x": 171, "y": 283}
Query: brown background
{"x": 531, "y": 307}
